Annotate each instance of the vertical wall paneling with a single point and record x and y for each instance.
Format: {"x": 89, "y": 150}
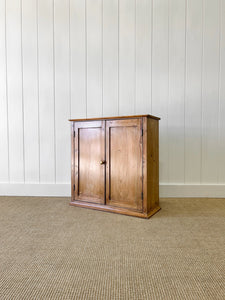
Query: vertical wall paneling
{"x": 210, "y": 95}
{"x": 4, "y": 174}
{"x": 160, "y": 76}
{"x": 193, "y": 92}
{"x": 143, "y": 56}
{"x": 177, "y": 40}
{"x": 78, "y": 58}
{"x": 110, "y": 57}
{"x": 62, "y": 93}
{"x": 85, "y": 58}
{"x": 14, "y": 84}
{"x": 94, "y": 57}
{"x": 30, "y": 90}
{"x": 127, "y": 61}
{"x": 221, "y": 119}
{"x": 46, "y": 90}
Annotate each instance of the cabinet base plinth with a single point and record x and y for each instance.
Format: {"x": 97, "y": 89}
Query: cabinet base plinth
{"x": 114, "y": 209}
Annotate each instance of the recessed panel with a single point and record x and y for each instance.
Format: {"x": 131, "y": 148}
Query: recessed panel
{"x": 90, "y": 172}
{"x": 125, "y": 165}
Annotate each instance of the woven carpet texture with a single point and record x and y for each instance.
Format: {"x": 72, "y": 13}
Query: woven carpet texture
{"x": 50, "y": 250}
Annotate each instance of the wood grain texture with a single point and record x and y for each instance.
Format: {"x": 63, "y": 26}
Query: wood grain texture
{"x": 118, "y": 210}
{"x": 153, "y": 163}
{"x": 145, "y": 165}
{"x": 116, "y": 118}
{"x": 115, "y": 165}
{"x": 150, "y": 165}
{"x": 89, "y": 152}
{"x": 72, "y": 161}
{"x": 124, "y": 163}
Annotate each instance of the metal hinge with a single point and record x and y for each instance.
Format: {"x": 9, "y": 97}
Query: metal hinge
{"x": 142, "y": 196}
{"x": 142, "y": 132}
{"x": 74, "y": 187}
{"x": 74, "y": 134}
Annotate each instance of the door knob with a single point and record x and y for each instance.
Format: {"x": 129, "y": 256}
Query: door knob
{"x": 102, "y": 162}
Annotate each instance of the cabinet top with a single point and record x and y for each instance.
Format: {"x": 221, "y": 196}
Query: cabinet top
{"x": 117, "y": 117}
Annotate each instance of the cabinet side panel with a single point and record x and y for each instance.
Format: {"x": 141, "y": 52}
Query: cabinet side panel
{"x": 72, "y": 162}
{"x": 145, "y": 166}
{"x": 153, "y": 163}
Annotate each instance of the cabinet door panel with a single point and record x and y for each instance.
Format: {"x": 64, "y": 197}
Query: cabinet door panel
{"x": 124, "y": 163}
{"x": 89, "y": 152}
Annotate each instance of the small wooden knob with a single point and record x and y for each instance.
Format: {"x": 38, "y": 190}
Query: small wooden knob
{"x": 102, "y": 162}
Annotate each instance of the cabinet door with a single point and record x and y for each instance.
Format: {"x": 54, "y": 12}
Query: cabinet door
{"x": 90, "y": 161}
{"x": 124, "y": 163}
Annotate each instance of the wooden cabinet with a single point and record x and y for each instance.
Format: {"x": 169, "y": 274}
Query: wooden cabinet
{"x": 115, "y": 164}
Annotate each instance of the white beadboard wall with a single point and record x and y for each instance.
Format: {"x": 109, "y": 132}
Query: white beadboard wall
{"x": 89, "y": 58}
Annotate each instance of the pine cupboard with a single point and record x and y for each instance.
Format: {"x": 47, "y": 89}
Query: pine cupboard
{"x": 115, "y": 164}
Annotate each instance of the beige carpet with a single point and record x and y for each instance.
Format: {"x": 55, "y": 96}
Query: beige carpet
{"x": 50, "y": 250}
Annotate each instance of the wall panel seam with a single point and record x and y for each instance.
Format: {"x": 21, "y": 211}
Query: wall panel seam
{"x": 53, "y": 54}
{"x": 219, "y": 89}
{"x": 6, "y": 84}
{"x": 185, "y": 86}
{"x": 135, "y": 54}
{"x": 118, "y": 67}
{"x": 86, "y": 94}
{"x": 22, "y": 85}
{"x": 168, "y": 100}
{"x": 207, "y": 140}
{"x": 70, "y": 60}
{"x": 202, "y": 70}
{"x": 151, "y": 57}
{"x": 38, "y": 92}
{"x": 102, "y": 55}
